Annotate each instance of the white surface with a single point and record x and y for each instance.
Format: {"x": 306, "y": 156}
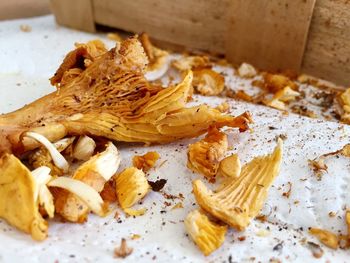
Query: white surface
{"x": 29, "y": 59}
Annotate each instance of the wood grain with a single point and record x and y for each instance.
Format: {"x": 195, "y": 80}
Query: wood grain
{"x": 76, "y": 14}
{"x": 271, "y": 34}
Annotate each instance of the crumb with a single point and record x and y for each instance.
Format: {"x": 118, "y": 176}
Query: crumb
{"x": 157, "y": 185}
{"x": 25, "y": 28}
{"x": 123, "y": 250}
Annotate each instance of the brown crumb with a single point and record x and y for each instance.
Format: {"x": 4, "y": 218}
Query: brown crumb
{"x": 316, "y": 250}
{"x": 157, "y": 185}
{"x": 117, "y": 214}
{"x": 287, "y": 194}
{"x": 332, "y": 214}
{"x": 318, "y": 166}
{"x": 108, "y": 193}
{"x": 25, "y": 28}
{"x": 241, "y": 238}
{"x": 262, "y": 218}
{"x": 146, "y": 161}
{"x": 123, "y": 250}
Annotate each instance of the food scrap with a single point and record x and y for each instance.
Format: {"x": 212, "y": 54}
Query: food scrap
{"x": 204, "y": 156}
{"x": 131, "y": 186}
{"x": 123, "y": 250}
{"x": 207, "y": 235}
{"x": 146, "y": 161}
{"x": 254, "y": 181}
{"x": 327, "y": 238}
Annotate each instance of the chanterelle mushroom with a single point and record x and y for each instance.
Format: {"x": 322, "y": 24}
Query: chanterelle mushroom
{"x": 106, "y": 94}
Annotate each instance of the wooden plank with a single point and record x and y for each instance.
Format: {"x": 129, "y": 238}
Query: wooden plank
{"x": 195, "y": 24}
{"x": 327, "y": 53}
{"x": 76, "y": 14}
{"x": 270, "y": 34}
{"x": 23, "y": 8}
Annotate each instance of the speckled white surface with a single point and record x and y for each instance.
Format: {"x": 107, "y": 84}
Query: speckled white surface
{"x": 27, "y": 60}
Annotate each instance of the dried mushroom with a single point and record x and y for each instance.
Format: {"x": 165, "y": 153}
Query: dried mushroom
{"x": 131, "y": 186}
{"x": 327, "y": 238}
{"x": 94, "y": 173}
{"x": 146, "y": 161}
{"x": 246, "y": 70}
{"x": 208, "y": 82}
{"x": 158, "y": 61}
{"x": 241, "y": 200}
{"x": 204, "y": 156}
{"x": 19, "y": 204}
{"x": 191, "y": 62}
{"x": 282, "y": 96}
{"x": 276, "y": 82}
{"x": 207, "y": 235}
{"x": 111, "y": 98}
{"x": 230, "y": 167}
{"x": 84, "y": 148}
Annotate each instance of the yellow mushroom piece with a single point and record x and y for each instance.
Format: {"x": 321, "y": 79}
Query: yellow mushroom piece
{"x": 95, "y": 173}
{"x": 131, "y": 187}
{"x": 207, "y": 235}
{"x": 325, "y": 237}
{"x": 204, "y": 156}
{"x": 241, "y": 200}
{"x": 19, "y": 204}
{"x": 230, "y": 166}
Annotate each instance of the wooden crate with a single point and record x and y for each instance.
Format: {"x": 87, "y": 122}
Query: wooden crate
{"x": 307, "y": 36}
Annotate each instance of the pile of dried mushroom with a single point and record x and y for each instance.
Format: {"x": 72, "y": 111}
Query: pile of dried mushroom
{"x": 57, "y": 157}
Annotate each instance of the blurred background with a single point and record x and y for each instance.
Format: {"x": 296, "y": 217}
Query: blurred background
{"x": 23, "y": 8}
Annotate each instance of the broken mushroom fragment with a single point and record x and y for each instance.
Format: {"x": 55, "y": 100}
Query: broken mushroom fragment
{"x": 83, "y": 191}
{"x": 246, "y": 70}
{"x": 158, "y": 60}
{"x": 42, "y": 193}
{"x": 191, "y": 62}
{"x": 42, "y": 157}
{"x": 241, "y": 200}
{"x": 230, "y": 167}
{"x": 18, "y": 198}
{"x": 325, "y": 237}
{"x": 94, "y": 173}
{"x": 131, "y": 186}
{"x": 84, "y": 148}
{"x": 207, "y": 235}
{"x": 146, "y": 161}
{"x": 56, "y": 156}
{"x": 208, "y": 82}
{"x": 204, "y": 155}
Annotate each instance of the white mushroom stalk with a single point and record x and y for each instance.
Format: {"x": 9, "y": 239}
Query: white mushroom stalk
{"x": 62, "y": 144}
{"x": 105, "y": 163}
{"x": 84, "y": 148}
{"x": 85, "y": 192}
{"x": 56, "y": 156}
{"x": 41, "y": 192}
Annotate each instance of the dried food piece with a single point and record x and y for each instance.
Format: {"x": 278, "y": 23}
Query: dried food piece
{"x": 204, "y": 156}
{"x": 223, "y": 107}
{"x": 230, "y": 167}
{"x": 241, "y": 200}
{"x": 123, "y": 250}
{"x": 111, "y": 98}
{"x": 108, "y": 193}
{"x": 276, "y": 82}
{"x": 115, "y": 37}
{"x": 246, "y": 70}
{"x": 157, "y": 185}
{"x": 42, "y": 156}
{"x": 18, "y": 204}
{"x": 84, "y": 148}
{"x": 158, "y": 59}
{"x": 281, "y": 97}
{"x": 42, "y": 193}
{"x": 95, "y": 173}
{"x": 207, "y": 235}
{"x": 191, "y": 62}
{"x": 316, "y": 250}
{"x": 131, "y": 186}
{"x": 146, "y": 161}
{"x": 208, "y": 82}
{"x": 327, "y": 238}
